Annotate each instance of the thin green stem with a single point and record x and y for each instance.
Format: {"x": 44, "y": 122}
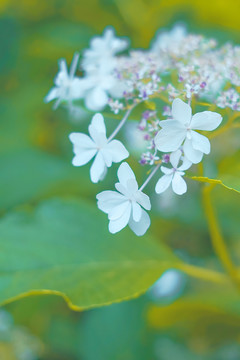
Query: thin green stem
{"x": 203, "y": 274}
{"x": 150, "y": 176}
{"x": 218, "y": 243}
{"x": 122, "y": 122}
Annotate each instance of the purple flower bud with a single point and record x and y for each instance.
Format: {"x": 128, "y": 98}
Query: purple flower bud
{"x": 167, "y": 111}
{"x": 144, "y": 95}
{"x": 166, "y": 158}
{"x": 146, "y": 114}
{"x": 203, "y": 84}
{"x": 142, "y": 161}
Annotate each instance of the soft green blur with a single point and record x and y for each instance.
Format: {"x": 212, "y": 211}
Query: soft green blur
{"x": 35, "y": 158}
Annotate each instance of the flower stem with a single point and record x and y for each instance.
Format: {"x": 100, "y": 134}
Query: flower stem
{"x": 216, "y": 236}
{"x": 122, "y": 122}
{"x": 150, "y": 177}
{"x": 203, "y": 274}
{"x": 73, "y": 66}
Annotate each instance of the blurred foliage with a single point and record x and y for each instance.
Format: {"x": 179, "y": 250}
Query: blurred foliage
{"x": 47, "y": 205}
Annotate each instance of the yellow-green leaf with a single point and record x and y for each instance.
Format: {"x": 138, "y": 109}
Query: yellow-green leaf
{"x": 229, "y": 174}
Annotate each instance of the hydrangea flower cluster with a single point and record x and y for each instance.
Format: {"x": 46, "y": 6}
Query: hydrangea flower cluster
{"x": 176, "y": 84}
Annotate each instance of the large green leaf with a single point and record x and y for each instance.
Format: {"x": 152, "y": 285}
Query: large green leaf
{"x": 29, "y": 174}
{"x": 131, "y": 342}
{"x": 64, "y": 248}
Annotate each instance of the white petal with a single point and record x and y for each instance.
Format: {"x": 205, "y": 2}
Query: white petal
{"x": 179, "y": 185}
{"x": 98, "y": 123}
{"x": 181, "y": 111}
{"x": 106, "y": 156}
{"x": 104, "y": 173}
{"x": 140, "y": 227}
{"x": 206, "y": 120}
{"x": 97, "y": 130}
{"x": 108, "y": 81}
{"x": 125, "y": 173}
{"x": 118, "y": 224}
{"x": 166, "y": 171}
{"x": 195, "y": 156}
{"x": 143, "y": 200}
{"x": 175, "y": 157}
{"x": 200, "y": 142}
{"x": 122, "y": 189}
{"x": 166, "y": 124}
{"x": 77, "y": 88}
{"x": 96, "y": 99}
{"x": 170, "y": 139}
{"x": 81, "y": 141}
{"x": 186, "y": 164}
{"x": 83, "y": 158}
{"x": 163, "y": 183}
{"x": 117, "y": 150}
{"x": 97, "y": 168}
{"x": 53, "y": 94}
{"x": 62, "y": 81}
{"x": 63, "y": 66}
{"x": 136, "y": 211}
{"x": 132, "y": 186}
{"x": 118, "y": 89}
{"x": 117, "y": 211}
{"x": 107, "y": 200}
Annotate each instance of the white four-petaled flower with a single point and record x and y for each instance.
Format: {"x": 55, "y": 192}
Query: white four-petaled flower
{"x": 97, "y": 145}
{"x": 181, "y": 128}
{"x": 125, "y": 206}
{"x": 67, "y": 86}
{"x": 174, "y": 175}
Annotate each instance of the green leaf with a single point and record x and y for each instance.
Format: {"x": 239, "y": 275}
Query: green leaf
{"x": 29, "y": 174}
{"x": 64, "y": 248}
{"x": 126, "y": 341}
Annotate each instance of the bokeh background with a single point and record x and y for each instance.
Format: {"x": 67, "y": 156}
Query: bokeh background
{"x": 35, "y": 158}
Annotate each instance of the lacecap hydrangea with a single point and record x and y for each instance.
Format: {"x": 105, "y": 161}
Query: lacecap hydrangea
{"x": 178, "y": 88}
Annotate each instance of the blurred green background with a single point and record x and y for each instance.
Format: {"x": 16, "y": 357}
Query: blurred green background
{"x": 35, "y": 157}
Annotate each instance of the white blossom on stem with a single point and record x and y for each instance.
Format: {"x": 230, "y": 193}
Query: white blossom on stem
{"x": 97, "y": 145}
{"x": 103, "y": 49}
{"x": 96, "y": 87}
{"x": 99, "y": 62}
{"x": 169, "y": 40}
{"x": 181, "y": 128}
{"x": 125, "y": 206}
{"x": 174, "y": 176}
{"x": 67, "y": 87}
